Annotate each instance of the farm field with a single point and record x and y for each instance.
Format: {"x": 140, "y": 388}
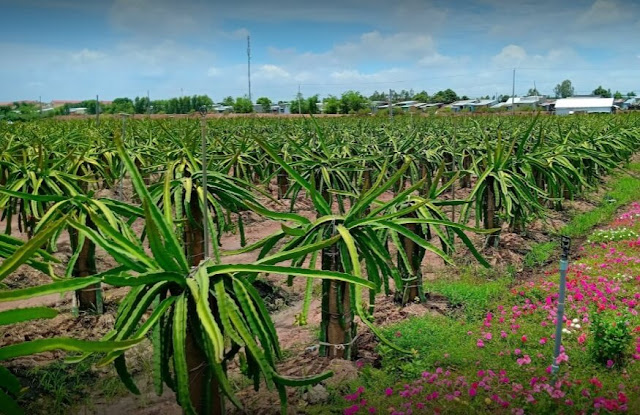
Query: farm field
{"x": 415, "y": 260}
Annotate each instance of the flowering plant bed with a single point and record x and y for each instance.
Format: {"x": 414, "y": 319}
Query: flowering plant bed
{"x": 501, "y": 362}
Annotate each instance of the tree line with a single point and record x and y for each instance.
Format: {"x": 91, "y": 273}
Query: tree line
{"x": 349, "y": 102}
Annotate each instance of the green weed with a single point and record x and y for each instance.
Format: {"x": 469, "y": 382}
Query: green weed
{"x": 540, "y": 254}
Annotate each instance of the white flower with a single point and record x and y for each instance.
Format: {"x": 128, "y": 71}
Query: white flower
{"x": 575, "y": 320}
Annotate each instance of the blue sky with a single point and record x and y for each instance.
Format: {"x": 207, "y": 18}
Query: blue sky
{"x": 68, "y": 49}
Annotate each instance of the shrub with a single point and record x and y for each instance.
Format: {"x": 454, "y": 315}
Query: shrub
{"x": 611, "y": 339}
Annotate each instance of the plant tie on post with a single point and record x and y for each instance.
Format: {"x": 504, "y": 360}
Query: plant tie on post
{"x": 339, "y": 346}
{"x": 564, "y": 266}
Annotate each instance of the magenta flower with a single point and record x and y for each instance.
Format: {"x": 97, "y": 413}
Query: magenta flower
{"x": 388, "y": 391}
{"x": 525, "y": 360}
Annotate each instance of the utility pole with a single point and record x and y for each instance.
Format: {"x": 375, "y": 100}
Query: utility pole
{"x": 513, "y": 93}
{"x": 299, "y": 101}
{"x": 249, "y": 65}
{"x": 97, "y": 111}
{"x": 390, "y": 106}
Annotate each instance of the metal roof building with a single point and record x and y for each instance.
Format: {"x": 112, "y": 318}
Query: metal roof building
{"x": 568, "y": 106}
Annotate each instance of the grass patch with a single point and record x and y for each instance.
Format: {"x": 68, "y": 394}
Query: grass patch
{"x": 540, "y": 254}
{"x": 60, "y": 388}
{"x": 624, "y": 190}
{"x": 471, "y": 295}
{"x": 57, "y": 388}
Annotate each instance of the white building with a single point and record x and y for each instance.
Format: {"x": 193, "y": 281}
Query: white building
{"x": 521, "y": 102}
{"x": 582, "y": 105}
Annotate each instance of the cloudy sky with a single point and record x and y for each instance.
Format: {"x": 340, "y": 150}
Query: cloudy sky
{"x": 69, "y": 49}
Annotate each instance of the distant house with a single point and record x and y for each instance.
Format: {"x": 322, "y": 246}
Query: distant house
{"x": 586, "y": 105}
{"x": 520, "y": 102}
{"x": 258, "y": 108}
{"x": 548, "y": 105}
{"x": 221, "y": 109}
{"x": 472, "y": 104}
{"x": 460, "y": 105}
{"x": 630, "y": 103}
{"x": 281, "y": 108}
{"x": 80, "y": 110}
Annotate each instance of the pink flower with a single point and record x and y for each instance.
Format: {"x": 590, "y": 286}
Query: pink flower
{"x": 524, "y": 339}
{"x": 372, "y": 410}
{"x": 609, "y": 363}
{"x": 488, "y": 336}
{"x": 517, "y": 352}
{"x": 388, "y": 391}
{"x": 582, "y": 338}
{"x": 480, "y": 343}
{"x": 503, "y": 334}
{"x": 562, "y": 357}
{"x": 353, "y": 409}
{"x": 543, "y": 340}
{"x": 473, "y": 392}
{"x": 525, "y": 360}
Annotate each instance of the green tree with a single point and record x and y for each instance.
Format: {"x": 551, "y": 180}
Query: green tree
{"x": 604, "y": 93}
{"x": 266, "y": 104}
{"x": 631, "y": 94}
{"x": 299, "y": 105}
{"x": 351, "y": 102}
{"x": 331, "y": 105}
{"x": 89, "y": 104}
{"x": 141, "y": 105}
{"x": 447, "y": 96}
{"x": 228, "y": 101}
{"x": 421, "y": 96}
{"x": 405, "y": 95}
{"x": 312, "y": 104}
{"x": 533, "y": 92}
{"x": 242, "y": 105}
{"x": 617, "y": 95}
{"x": 122, "y": 105}
{"x": 564, "y": 89}
{"x": 378, "y": 96}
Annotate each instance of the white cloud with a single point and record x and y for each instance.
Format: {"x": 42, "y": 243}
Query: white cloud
{"x": 515, "y": 56}
{"x": 271, "y": 72}
{"x": 213, "y": 71}
{"x": 394, "y": 47}
{"x": 369, "y": 47}
{"x": 87, "y": 56}
{"x": 438, "y": 60}
{"x": 602, "y": 12}
{"x": 241, "y": 33}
